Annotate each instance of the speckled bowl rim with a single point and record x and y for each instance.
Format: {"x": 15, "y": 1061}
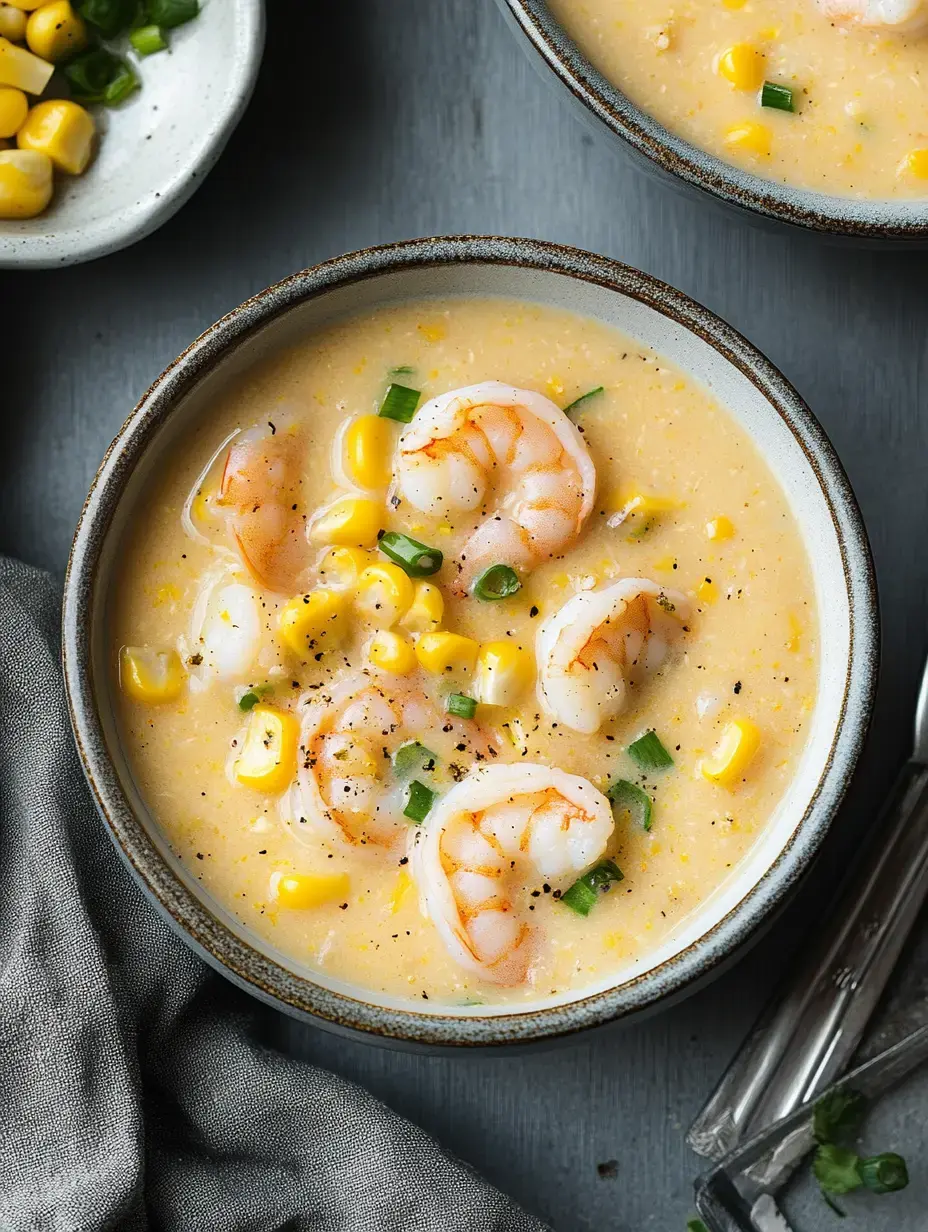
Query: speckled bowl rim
{"x": 805, "y": 208}
{"x": 193, "y": 919}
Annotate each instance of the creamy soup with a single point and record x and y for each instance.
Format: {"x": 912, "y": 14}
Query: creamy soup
{"x": 479, "y": 703}
{"x": 821, "y": 94}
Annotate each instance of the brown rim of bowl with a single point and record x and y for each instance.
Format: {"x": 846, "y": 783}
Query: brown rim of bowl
{"x": 903, "y": 220}
{"x": 213, "y": 939}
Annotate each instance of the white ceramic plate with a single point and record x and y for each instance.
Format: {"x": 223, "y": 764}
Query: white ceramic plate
{"x": 155, "y": 150}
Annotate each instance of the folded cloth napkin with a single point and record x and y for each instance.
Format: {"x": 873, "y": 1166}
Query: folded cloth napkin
{"x": 132, "y": 1094}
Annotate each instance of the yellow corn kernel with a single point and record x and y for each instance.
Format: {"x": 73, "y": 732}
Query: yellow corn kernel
{"x": 56, "y": 32}
{"x": 794, "y": 641}
{"x": 742, "y": 66}
{"x": 392, "y": 653}
{"x": 446, "y": 652}
{"x": 350, "y": 521}
{"x": 14, "y": 108}
{"x": 341, "y": 567}
{"x": 384, "y": 592}
{"x": 504, "y": 672}
{"x": 301, "y": 891}
{"x": 734, "y": 5}
{"x": 148, "y": 675}
{"x": 401, "y": 891}
{"x": 736, "y": 749}
{"x": 368, "y": 447}
{"x": 20, "y": 68}
{"x": 268, "y": 758}
{"x": 26, "y": 5}
{"x": 12, "y": 23}
{"x": 707, "y": 591}
{"x": 25, "y": 183}
{"x": 61, "y": 129}
{"x": 649, "y": 506}
{"x": 434, "y": 332}
{"x": 720, "y": 528}
{"x": 424, "y": 615}
{"x": 915, "y": 163}
{"x": 315, "y": 621}
{"x": 751, "y": 137}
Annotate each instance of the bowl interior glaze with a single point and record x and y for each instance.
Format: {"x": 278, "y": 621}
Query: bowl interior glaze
{"x": 737, "y": 376}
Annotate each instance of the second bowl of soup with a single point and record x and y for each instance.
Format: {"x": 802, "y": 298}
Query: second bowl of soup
{"x": 454, "y": 666}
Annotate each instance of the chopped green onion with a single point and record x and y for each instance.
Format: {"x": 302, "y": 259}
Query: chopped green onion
{"x": 778, "y": 97}
{"x": 248, "y": 701}
{"x": 171, "y": 13}
{"x": 649, "y": 754}
{"x": 461, "y": 705}
{"x": 403, "y": 370}
{"x": 497, "y": 582}
{"x": 579, "y": 404}
{"x": 110, "y": 17}
{"x": 91, "y": 73}
{"x": 416, "y": 559}
{"x": 147, "y": 40}
{"x": 696, "y": 1225}
{"x": 418, "y": 802}
{"x": 581, "y": 896}
{"x": 412, "y": 756}
{"x": 884, "y": 1173}
{"x": 400, "y": 403}
{"x": 629, "y": 796}
{"x": 121, "y": 86}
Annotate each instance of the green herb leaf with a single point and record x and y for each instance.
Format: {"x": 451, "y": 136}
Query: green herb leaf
{"x": 835, "y": 1169}
{"x": 696, "y": 1225}
{"x": 648, "y": 753}
{"x": 121, "y": 86}
{"x": 579, "y": 404}
{"x": 460, "y": 705}
{"x": 412, "y": 756}
{"x": 629, "y": 796}
{"x": 399, "y": 403}
{"x": 497, "y": 582}
{"x": 171, "y": 13}
{"x": 91, "y": 73}
{"x": 776, "y": 96}
{"x": 110, "y": 17}
{"x": 884, "y": 1173}
{"x": 838, "y": 1116}
{"x": 416, "y": 559}
{"x": 147, "y": 40}
{"x": 582, "y": 895}
{"x": 418, "y": 802}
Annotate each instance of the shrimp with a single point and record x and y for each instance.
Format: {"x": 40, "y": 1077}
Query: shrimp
{"x": 225, "y": 628}
{"x": 469, "y": 859}
{"x": 896, "y": 16}
{"x": 509, "y": 453}
{"x": 600, "y": 644}
{"x": 347, "y": 792}
{"x": 260, "y": 491}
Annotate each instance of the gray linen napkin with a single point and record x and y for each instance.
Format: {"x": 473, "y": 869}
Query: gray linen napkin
{"x": 131, "y": 1092}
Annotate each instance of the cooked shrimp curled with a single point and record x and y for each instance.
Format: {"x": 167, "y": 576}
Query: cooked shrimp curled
{"x": 894, "y": 16}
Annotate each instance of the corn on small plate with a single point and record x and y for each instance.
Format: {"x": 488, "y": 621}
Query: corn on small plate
{"x": 155, "y": 150}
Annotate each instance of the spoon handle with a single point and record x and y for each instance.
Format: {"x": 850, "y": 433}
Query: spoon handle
{"x": 810, "y": 1029}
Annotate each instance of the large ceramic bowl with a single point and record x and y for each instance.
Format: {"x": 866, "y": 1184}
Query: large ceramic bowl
{"x": 662, "y": 150}
{"x": 775, "y": 417}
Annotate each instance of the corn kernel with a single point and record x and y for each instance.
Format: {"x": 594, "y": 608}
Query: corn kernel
{"x": 26, "y": 5}
{"x": 14, "y": 108}
{"x": 315, "y": 621}
{"x": 720, "y": 528}
{"x": 401, "y": 891}
{"x": 368, "y": 447}
{"x": 341, "y": 567}
{"x": 148, "y": 675}
{"x": 61, "y": 129}
{"x": 742, "y": 66}
{"x": 707, "y": 591}
{"x": 351, "y": 522}
{"x": 392, "y": 653}
{"x": 736, "y": 750}
{"x": 12, "y": 23}
{"x": 301, "y": 891}
{"x": 56, "y": 32}
{"x": 650, "y": 506}
{"x": 434, "y": 332}
{"x": 425, "y": 613}
{"x": 750, "y": 136}
{"x": 20, "y": 68}
{"x": 504, "y": 672}
{"x": 268, "y": 758}
{"x": 384, "y": 593}
{"x": 915, "y": 163}
{"x": 446, "y": 652}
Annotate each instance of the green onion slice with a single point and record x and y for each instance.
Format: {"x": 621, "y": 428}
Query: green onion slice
{"x": 171, "y": 13}
{"x": 147, "y": 40}
{"x": 626, "y": 795}
{"x": 399, "y": 403}
{"x": 416, "y": 559}
{"x": 696, "y": 1225}
{"x": 461, "y": 705}
{"x": 884, "y": 1173}
{"x": 419, "y": 801}
{"x": 91, "y": 73}
{"x": 579, "y": 404}
{"x": 122, "y": 85}
{"x": 110, "y": 17}
{"x": 581, "y": 896}
{"x": 412, "y": 756}
{"x": 497, "y": 582}
{"x": 248, "y": 701}
{"x": 778, "y": 97}
{"x": 403, "y": 370}
{"x": 649, "y": 754}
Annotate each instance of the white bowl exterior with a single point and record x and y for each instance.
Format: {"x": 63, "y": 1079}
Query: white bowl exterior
{"x": 154, "y": 151}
